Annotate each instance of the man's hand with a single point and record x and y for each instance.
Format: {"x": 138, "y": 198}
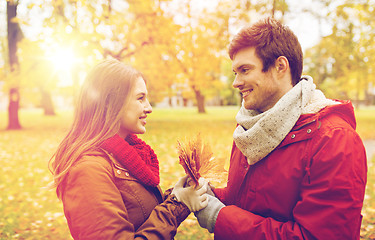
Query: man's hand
{"x": 207, "y": 216}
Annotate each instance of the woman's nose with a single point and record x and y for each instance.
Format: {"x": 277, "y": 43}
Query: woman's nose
{"x": 148, "y": 107}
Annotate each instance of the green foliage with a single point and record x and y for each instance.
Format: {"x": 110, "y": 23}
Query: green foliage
{"x": 345, "y": 57}
{"x": 28, "y": 210}
{"x": 180, "y": 46}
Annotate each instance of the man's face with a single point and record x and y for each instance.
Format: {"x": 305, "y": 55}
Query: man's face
{"x": 260, "y": 90}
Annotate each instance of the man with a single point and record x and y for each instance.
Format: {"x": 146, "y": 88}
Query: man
{"x": 297, "y": 168}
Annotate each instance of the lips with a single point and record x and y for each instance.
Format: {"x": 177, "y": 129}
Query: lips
{"x": 246, "y": 93}
{"x": 143, "y": 119}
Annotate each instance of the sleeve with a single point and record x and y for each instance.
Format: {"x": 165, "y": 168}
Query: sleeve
{"x": 220, "y": 193}
{"x": 164, "y": 220}
{"x": 331, "y": 197}
{"x": 94, "y": 208}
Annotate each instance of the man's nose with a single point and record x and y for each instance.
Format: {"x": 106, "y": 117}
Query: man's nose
{"x": 237, "y": 82}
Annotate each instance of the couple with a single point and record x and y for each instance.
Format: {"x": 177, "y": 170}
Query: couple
{"x": 297, "y": 168}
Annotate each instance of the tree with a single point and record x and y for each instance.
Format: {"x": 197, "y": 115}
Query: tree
{"x": 279, "y": 6}
{"x": 200, "y": 47}
{"x": 201, "y": 44}
{"x": 134, "y": 32}
{"x": 179, "y": 51}
{"x": 14, "y": 36}
{"x": 342, "y": 60}
{"x": 156, "y": 30}
{"x": 38, "y": 75}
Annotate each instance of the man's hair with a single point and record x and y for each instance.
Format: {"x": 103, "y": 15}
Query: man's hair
{"x": 271, "y": 40}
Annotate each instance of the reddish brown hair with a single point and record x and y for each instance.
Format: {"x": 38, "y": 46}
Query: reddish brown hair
{"x": 271, "y": 40}
{"x": 99, "y": 108}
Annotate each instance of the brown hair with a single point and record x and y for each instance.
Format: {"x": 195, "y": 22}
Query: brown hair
{"x": 102, "y": 100}
{"x": 271, "y": 40}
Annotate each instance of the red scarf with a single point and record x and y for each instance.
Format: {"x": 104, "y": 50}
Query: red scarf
{"x": 136, "y": 156}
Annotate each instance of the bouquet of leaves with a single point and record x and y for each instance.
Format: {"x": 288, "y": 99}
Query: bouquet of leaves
{"x": 197, "y": 160}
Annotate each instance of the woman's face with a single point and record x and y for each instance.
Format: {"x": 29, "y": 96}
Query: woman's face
{"x": 133, "y": 120}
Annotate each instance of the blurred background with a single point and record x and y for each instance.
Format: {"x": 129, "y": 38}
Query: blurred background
{"x": 47, "y": 47}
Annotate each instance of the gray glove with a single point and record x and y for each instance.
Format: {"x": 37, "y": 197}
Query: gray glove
{"x": 207, "y": 216}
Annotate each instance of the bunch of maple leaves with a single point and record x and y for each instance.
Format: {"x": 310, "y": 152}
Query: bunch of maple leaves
{"x": 197, "y": 160}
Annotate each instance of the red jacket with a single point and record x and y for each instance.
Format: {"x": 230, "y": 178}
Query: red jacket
{"x": 310, "y": 187}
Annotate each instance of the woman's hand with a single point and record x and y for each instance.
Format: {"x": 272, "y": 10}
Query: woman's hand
{"x": 193, "y": 197}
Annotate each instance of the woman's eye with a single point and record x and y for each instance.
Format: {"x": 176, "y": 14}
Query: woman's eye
{"x": 244, "y": 70}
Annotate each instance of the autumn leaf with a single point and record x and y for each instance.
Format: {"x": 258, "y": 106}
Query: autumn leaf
{"x": 198, "y": 161}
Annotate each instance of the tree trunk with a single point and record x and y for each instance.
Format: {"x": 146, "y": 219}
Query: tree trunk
{"x": 47, "y": 103}
{"x": 14, "y": 35}
{"x": 14, "y": 100}
{"x": 200, "y": 101}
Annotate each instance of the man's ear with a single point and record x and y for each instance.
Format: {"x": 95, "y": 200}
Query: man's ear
{"x": 282, "y": 64}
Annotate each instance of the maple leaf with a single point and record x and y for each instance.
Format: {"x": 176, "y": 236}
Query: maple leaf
{"x": 197, "y": 160}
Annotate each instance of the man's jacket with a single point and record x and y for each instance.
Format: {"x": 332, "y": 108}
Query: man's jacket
{"x": 310, "y": 187}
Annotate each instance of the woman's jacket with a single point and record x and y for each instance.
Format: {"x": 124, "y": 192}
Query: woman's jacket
{"x": 103, "y": 201}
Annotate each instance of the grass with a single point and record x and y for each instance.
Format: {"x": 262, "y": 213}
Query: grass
{"x": 30, "y": 211}
{"x": 366, "y": 123}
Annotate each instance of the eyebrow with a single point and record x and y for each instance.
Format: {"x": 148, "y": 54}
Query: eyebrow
{"x": 141, "y": 94}
{"x": 243, "y": 66}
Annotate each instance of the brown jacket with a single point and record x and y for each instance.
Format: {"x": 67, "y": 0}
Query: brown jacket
{"x": 103, "y": 201}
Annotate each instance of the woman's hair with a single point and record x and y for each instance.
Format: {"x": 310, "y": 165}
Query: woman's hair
{"x": 271, "y": 40}
{"x": 97, "y": 116}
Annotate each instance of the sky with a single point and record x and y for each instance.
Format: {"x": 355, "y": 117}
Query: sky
{"x": 306, "y": 26}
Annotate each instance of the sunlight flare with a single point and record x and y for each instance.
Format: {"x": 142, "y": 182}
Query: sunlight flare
{"x": 63, "y": 60}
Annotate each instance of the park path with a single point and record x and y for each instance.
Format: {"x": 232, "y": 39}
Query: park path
{"x": 370, "y": 148}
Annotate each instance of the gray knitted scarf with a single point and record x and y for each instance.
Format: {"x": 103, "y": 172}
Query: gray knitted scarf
{"x": 258, "y": 134}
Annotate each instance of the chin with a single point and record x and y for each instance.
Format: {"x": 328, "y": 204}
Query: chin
{"x": 141, "y": 131}
{"x": 248, "y": 106}
{"x": 138, "y": 131}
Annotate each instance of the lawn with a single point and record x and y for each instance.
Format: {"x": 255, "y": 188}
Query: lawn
{"x": 28, "y": 210}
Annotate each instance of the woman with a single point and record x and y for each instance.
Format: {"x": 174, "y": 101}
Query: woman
{"x": 108, "y": 178}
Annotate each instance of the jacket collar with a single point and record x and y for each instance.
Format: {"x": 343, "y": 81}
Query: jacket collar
{"x": 308, "y": 124}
